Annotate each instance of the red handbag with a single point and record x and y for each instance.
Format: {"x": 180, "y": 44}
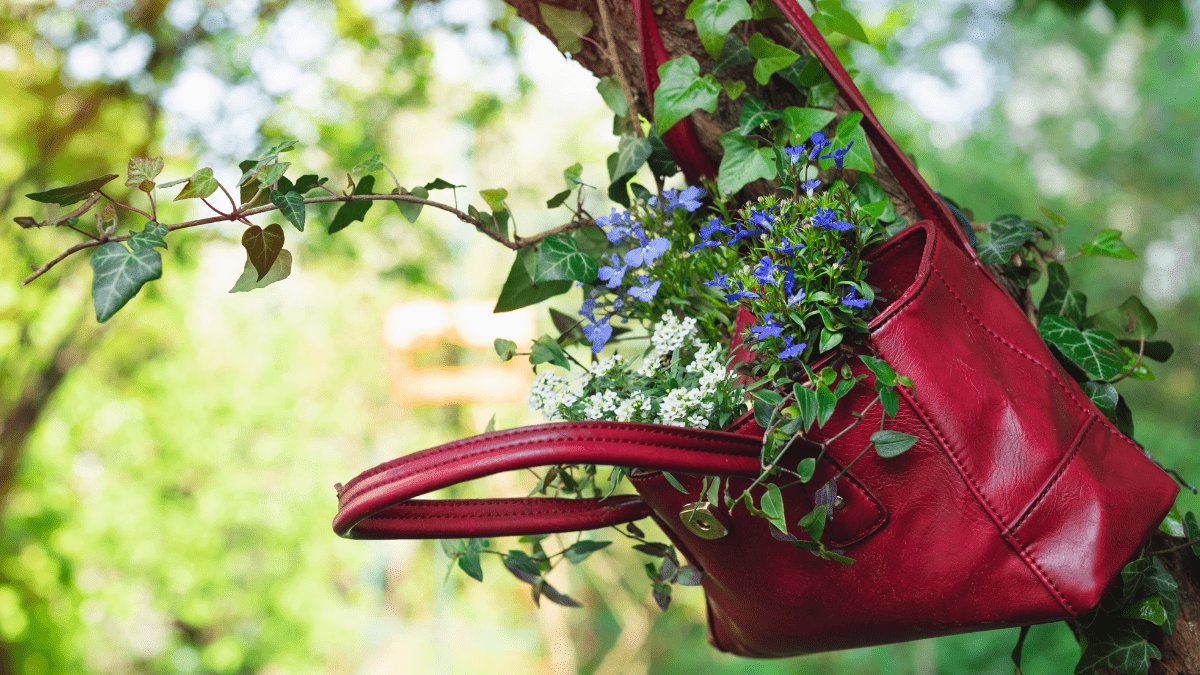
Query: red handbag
{"x": 1019, "y": 503}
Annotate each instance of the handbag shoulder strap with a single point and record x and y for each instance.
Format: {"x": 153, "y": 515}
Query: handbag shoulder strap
{"x": 685, "y": 144}
{"x": 376, "y": 504}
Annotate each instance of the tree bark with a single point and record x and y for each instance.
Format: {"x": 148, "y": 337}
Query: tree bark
{"x": 601, "y": 57}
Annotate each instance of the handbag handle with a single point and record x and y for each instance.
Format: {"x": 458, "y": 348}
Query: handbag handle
{"x": 685, "y": 144}
{"x": 376, "y": 504}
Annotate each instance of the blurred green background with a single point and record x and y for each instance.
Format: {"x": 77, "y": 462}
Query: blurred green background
{"x": 166, "y": 480}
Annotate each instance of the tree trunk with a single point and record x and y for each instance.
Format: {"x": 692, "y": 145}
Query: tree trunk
{"x": 613, "y": 44}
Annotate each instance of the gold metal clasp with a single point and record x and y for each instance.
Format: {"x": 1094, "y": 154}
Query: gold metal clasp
{"x": 703, "y": 520}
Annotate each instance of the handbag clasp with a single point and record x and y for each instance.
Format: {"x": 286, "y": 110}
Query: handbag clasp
{"x": 702, "y": 520}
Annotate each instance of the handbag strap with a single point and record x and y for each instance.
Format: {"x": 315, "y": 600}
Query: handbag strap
{"x": 376, "y": 504}
{"x": 684, "y": 144}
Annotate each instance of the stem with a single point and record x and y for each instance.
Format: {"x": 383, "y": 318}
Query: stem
{"x": 1176, "y": 548}
{"x": 847, "y": 467}
{"x": 611, "y": 53}
{"x": 153, "y": 208}
{"x": 1138, "y": 362}
{"x": 145, "y": 215}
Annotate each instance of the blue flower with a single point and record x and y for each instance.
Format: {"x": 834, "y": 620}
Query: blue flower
{"x": 688, "y": 199}
{"x": 721, "y": 281}
{"x": 768, "y": 329}
{"x": 828, "y": 218}
{"x": 819, "y": 144}
{"x": 647, "y": 253}
{"x": 742, "y": 234}
{"x": 794, "y": 152}
{"x": 838, "y": 156}
{"x": 811, "y": 185}
{"x": 646, "y": 291}
{"x": 714, "y": 225}
{"x": 588, "y": 309}
{"x": 765, "y": 272}
{"x": 741, "y": 294}
{"x": 791, "y": 351}
{"x": 795, "y": 298}
{"x": 704, "y": 244}
{"x": 761, "y": 219}
{"x": 787, "y": 248}
{"x": 613, "y": 275}
{"x": 598, "y": 334}
{"x": 851, "y": 301}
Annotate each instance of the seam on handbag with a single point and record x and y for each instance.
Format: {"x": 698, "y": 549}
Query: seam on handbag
{"x": 523, "y": 512}
{"x": 935, "y": 241}
{"x": 1071, "y": 455}
{"x": 1005, "y": 531}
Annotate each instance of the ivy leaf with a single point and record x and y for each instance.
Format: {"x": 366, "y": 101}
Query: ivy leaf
{"x": 567, "y": 26}
{"x": 661, "y": 161}
{"x": 743, "y": 163}
{"x": 734, "y": 88}
{"x": 890, "y": 443}
{"x": 770, "y": 56}
{"x": 151, "y": 236}
{"x": 1096, "y": 351}
{"x": 495, "y": 198}
{"x": 306, "y": 183}
{"x": 291, "y": 205}
{"x": 772, "y": 505}
{"x": 1059, "y": 299}
{"x": 441, "y": 184}
{"x": 681, "y": 90}
{"x": 1105, "y": 396}
{"x": 1173, "y": 525}
{"x": 1149, "y": 609}
{"x": 573, "y": 176}
{"x": 1125, "y": 647}
{"x": 200, "y": 185}
{"x": 755, "y": 114}
{"x": 559, "y": 259}
{"x": 734, "y": 53}
{"x": 632, "y": 153}
{"x": 118, "y": 275}
{"x": 411, "y": 210}
{"x": 546, "y": 350}
{"x": 263, "y": 246}
{"x": 250, "y": 280}
{"x": 520, "y": 290}
{"x": 614, "y": 97}
{"x": 505, "y": 349}
{"x": 834, "y": 18}
{"x": 715, "y": 19}
{"x": 848, "y": 124}
{"x": 1131, "y": 321}
{"x": 580, "y": 550}
{"x": 352, "y": 211}
{"x": 804, "y": 122}
{"x": 143, "y": 171}
{"x": 1108, "y": 243}
{"x": 858, "y": 158}
{"x": 69, "y": 194}
{"x": 1193, "y": 531}
{"x": 248, "y": 185}
{"x": 369, "y": 165}
{"x": 1005, "y": 235}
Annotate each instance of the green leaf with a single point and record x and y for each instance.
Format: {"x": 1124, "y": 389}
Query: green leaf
{"x": 469, "y": 563}
{"x": 580, "y": 550}
{"x": 505, "y": 349}
{"x": 1105, "y": 396}
{"x": 200, "y": 186}
{"x": 771, "y": 398}
{"x": 271, "y": 173}
{"x": 520, "y": 290}
{"x": 806, "y": 401}
{"x": 734, "y": 53}
{"x": 573, "y": 175}
{"x": 675, "y": 484}
{"x": 661, "y": 161}
{"x": 1005, "y": 235}
{"x": 715, "y": 19}
{"x": 632, "y": 153}
{"x": 250, "y": 281}
{"x": 804, "y": 122}
{"x": 764, "y": 413}
{"x": 307, "y": 182}
{"x": 614, "y": 97}
{"x": 69, "y": 194}
{"x": 770, "y": 57}
{"x": 495, "y": 198}
{"x": 772, "y": 505}
{"x": 1108, "y": 243}
{"x": 890, "y": 443}
{"x": 835, "y": 18}
{"x": 1059, "y": 299}
{"x": 352, "y": 211}
{"x": 522, "y": 566}
{"x": 890, "y": 401}
{"x": 558, "y": 199}
{"x": 681, "y": 90}
{"x": 755, "y": 114}
{"x": 859, "y": 157}
{"x": 441, "y": 184}
{"x": 806, "y": 468}
{"x": 291, "y": 205}
{"x": 411, "y": 210}
{"x": 118, "y": 275}
{"x": 151, "y": 236}
{"x": 1148, "y": 609}
{"x": 826, "y": 403}
{"x": 263, "y": 246}
{"x": 491, "y": 425}
{"x": 688, "y": 576}
{"x": 848, "y": 124}
{"x": 1193, "y": 531}
{"x": 1097, "y": 352}
{"x": 743, "y": 163}
{"x": 1173, "y": 523}
{"x": 813, "y": 522}
{"x": 369, "y": 165}
{"x": 829, "y": 340}
{"x": 1159, "y": 350}
{"x": 282, "y": 147}
{"x": 883, "y": 372}
{"x": 143, "y": 171}
{"x": 547, "y": 350}
{"x": 559, "y": 259}
{"x": 567, "y": 26}
{"x": 734, "y": 88}
{"x": 1131, "y": 321}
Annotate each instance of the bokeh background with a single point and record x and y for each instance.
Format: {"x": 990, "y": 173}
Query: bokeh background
{"x": 166, "y": 479}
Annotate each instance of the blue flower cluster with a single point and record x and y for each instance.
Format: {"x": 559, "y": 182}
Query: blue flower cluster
{"x": 622, "y": 229}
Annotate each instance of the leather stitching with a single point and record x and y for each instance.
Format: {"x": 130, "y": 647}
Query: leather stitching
{"x": 991, "y": 510}
{"x": 1062, "y": 469}
{"x": 538, "y": 512}
{"x": 921, "y": 284}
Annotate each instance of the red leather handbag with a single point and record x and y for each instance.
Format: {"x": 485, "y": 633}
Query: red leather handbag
{"x": 1019, "y": 504}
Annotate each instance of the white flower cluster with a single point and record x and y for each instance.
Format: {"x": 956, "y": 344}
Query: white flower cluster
{"x": 685, "y": 406}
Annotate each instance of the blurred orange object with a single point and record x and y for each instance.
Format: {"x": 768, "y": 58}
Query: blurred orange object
{"x": 411, "y": 327}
